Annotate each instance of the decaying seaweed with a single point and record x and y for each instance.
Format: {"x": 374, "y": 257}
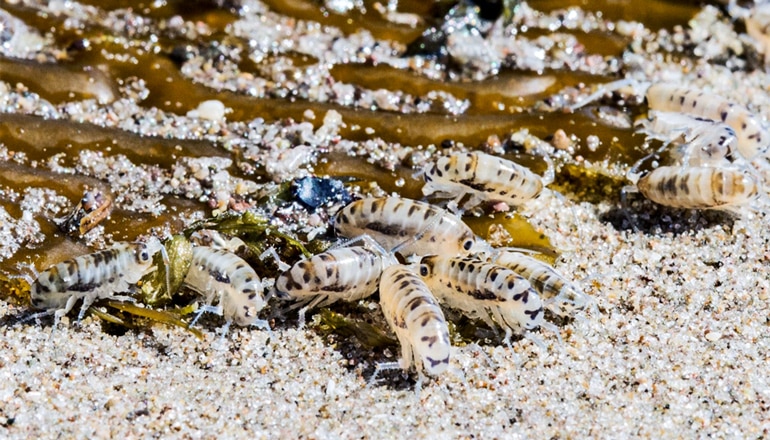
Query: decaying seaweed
{"x": 15, "y": 290}
{"x": 154, "y": 316}
{"x": 154, "y": 291}
{"x": 258, "y": 235}
{"x": 367, "y": 334}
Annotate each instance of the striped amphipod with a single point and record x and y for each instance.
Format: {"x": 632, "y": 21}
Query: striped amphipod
{"x": 486, "y": 291}
{"x": 222, "y": 275}
{"x": 416, "y": 318}
{"x": 666, "y": 99}
{"x": 753, "y": 138}
{"x": 699, "y": 187}
{"x": 560, "y": 296}
{"x": 705, "y": 142}
{"x": 482, "y": 177}
{"x": 94, "y": 276}
{"x": 407, "y": 226}
{"x": 347, "y": 273}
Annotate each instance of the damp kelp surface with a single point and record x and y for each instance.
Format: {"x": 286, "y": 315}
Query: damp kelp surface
{"x": 122, "y": 120}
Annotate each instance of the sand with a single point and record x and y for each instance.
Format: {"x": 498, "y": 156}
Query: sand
{"x": 677, "y": 349}
{"x": 676, "y": 346}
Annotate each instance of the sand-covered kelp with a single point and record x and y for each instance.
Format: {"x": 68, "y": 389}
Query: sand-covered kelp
{"x": 591, "y": 185}
{"x": 42, "y": 138}
{"x": 169, "y": 89}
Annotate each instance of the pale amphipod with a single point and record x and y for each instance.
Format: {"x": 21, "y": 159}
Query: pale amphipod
{"x": 559, "y": 294}
{"x": 416, "y": 318}
{"x": 94, "y": 276}
{"x": 753, "y": 138}
{"x": 703, "y": 142}
{"x": 221, "y": 275}
{"x": 483, "y": 178}
{"x": 346, "y": 273}
{"x": 486, "y": 291}
{"x": 415, "y": 228}
{"x": 699, "y": 187}
{"x": 681, "y": 110}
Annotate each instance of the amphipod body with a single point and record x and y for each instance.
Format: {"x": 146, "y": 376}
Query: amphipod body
{"x": 705, "y": 142}
{"x": 699, "y": 187}
{"x": 417, "y": 320}
{"x": 753, "y": 138}
{"x": 482, "y": 289}
{"x": 421, "y": 228}
{"x": 560, "y": 296}
{"x": 348, "y": 274}
{"x": 222, "y": 275}
{"x": 94, "y": 276}
{"x": 483, "y": 177}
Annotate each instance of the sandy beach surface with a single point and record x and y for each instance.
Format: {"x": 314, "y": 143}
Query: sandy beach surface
{"x": 679, "y": 349}
{"x": 676, "y": 346}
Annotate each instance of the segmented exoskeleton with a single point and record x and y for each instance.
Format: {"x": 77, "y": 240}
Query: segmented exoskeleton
{"x": 559, "y": 295}
{"x": 222, "y": 275}
{"x": 484, "y": 290}
{"x": 90, "y": 277}
{"x": 483, "y": 177}
{"x": 416, "y": 318}
{"x": 699, "y": 187}
{"x": 346, "y": 273}
{"x": 407, "y": 226}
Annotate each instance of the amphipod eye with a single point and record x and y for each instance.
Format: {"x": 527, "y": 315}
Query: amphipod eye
{"x": 424, "y": 270}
